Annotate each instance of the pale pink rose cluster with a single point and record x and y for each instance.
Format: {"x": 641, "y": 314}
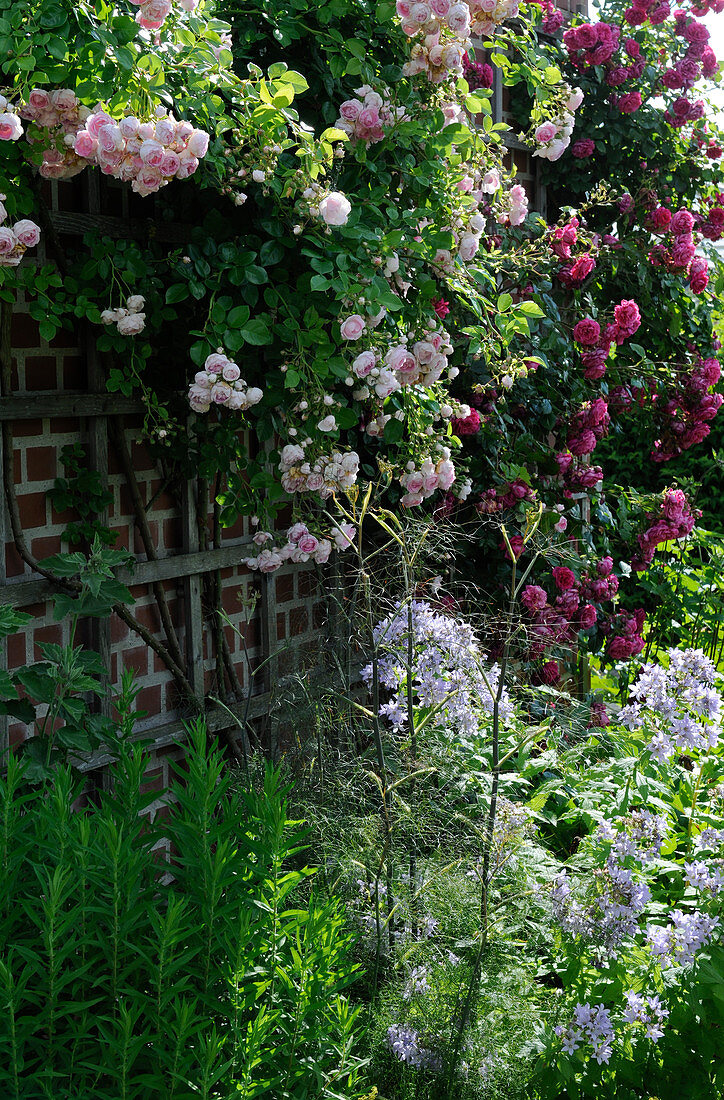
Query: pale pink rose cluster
{"x": 130, "y": 319}
{"x": 419, "y": 484}
{"x": 470, "y": 192}
{"x": 301, "y": 546}
{"x": 437, "y": 60}
{"x": 553, "y": 136}
{"x": 152, "y": 14}
{"x": 220, "y": 383}
{"x": 15, "y": 241}
{"x": 421, "y": 363}
{"x": 55, "y": 117}
{"x": 486, "y": 15}
{"x": 445, "y": 27}
{"x": 146, "y": 154}
{"x": 462, "y": 18}
{"x": 325, "y": 475}
{"x": 366, "y": 118}
{"x": 420, "y": 17}
{"x": 467, "y": 233}
{"x": 517, "y": 206}
{"x": 11, "y": 128}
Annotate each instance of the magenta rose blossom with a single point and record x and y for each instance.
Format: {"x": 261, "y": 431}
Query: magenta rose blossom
{"x": 661, "y": 218}
{"x": 550, "y": 673}
{"x": 564, "y": 578}
{"x": 682, "y": 222}
{"x": 628, "y": 318}
{"x": 468, "y": 425}
{"x": 630, "y": 102}
{"x": 587, "y": 332}
{"x": 619, "y": 649}
{"x": 584, "y": 148}
{"x": 588, "y": 616}
{"x": 534, "y": 597}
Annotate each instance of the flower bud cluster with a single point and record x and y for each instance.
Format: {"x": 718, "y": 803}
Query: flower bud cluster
{"x": 325, "y": 474}
{"x": 300, "y": 546}
{"x": 220, "y": 383}
{"x": 146, "y": 154}
{"x": 129, "y": 319}
{"x": 367, "y": 118}
{"x": 433, "y": 474}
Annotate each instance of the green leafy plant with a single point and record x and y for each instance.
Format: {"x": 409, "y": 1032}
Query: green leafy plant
{"x": 210, "y": 977}
{"x": 55, "y": 696}
{"x": 82, "y": 490}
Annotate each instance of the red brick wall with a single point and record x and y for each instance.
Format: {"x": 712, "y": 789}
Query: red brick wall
{"x": 42, "y": 368}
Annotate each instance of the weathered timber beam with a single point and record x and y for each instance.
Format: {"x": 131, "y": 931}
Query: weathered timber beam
{"x": 33, "y": 406}
{"x": 136, "y": 229}
{"x": 216, "y": 718}
{"x": 23, "y": 593}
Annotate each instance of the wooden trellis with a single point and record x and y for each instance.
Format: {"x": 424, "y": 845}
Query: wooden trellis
{"x": 189, "y": 577}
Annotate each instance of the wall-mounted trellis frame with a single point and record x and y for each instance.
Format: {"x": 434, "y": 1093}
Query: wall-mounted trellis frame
{"x": 186, "y": 570}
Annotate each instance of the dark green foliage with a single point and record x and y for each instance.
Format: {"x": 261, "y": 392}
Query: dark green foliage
{"x": 125, "y": 977}
{"x": 55, "y": 697}
{"x": 82, "y": 490}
